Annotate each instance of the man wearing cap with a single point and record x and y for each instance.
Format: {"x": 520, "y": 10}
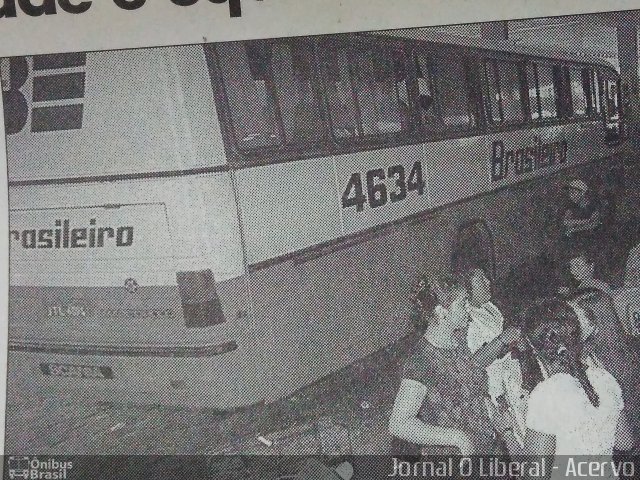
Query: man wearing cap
{"x": 582, "y": 218}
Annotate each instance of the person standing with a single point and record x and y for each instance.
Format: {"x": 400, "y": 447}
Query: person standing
{"x": 439, "y": 408}
{"x": 578, "y": 408}
{"x": 582, "y": 216}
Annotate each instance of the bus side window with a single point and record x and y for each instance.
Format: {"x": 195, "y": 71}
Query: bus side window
{"x": 296, "y": 92}
{"x": 579, "y": 92}
{"x": 271, "y": 92}
{"x": 453, "y": 91}
{"x": 427, "y": 96}
{"x": 547, "y": 91}
{"x": 510, "y": 92}
{"x": 245, "y": 68}
{"x": 534, "y": 96}
{"x": 505, "y": 103}
{"x": 343, "y": 112}
{"x": 493, "y": 103}
{"x": 589, "y": 88}
{"x": 381, "y": 89}
{"x": 366, "y": 89}
{"x": 563, "y": 91}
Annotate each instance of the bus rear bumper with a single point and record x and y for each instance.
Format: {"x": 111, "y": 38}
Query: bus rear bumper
{"x": 224, "y": 381}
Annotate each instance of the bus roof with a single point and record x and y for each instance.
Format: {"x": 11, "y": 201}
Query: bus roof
{"x": 437, "y": 36}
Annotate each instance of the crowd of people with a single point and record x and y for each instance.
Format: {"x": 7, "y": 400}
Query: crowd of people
{"x": 552, "y": 379}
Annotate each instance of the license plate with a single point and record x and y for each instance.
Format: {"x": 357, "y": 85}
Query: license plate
{"x": 68, "y": 310}
{"x": 75, "y": 371}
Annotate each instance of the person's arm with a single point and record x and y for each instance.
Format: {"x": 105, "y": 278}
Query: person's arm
{"x": 498, "y": 347}
{"x": 405, "y": 424}
{"x": 489, "y": 352}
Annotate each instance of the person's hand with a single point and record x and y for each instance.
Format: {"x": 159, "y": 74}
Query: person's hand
{"x": 510, "y": 335}
{"x": 500, "y": 416}
{"x": 464, "y": 443}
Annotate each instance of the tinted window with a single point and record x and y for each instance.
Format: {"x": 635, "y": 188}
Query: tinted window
{"x": 270, "y": 91}
{"x": 296, "y": 97}
{"x": 366, "y": 90}
{"x": 339, "y": 92}
{"x": 427, "y": 97}
{"x": 444, "y": 93}
{"x": 381, "y": 90}
{"x": 246, "y": 70}
{"x": 453, "y": 93}
{"x": 504, "y": 92}
{"x": 494, "y": 112}
{"x": 547, "y": 91}
{"x": 579, "y": 92}
{"x": 511, "y": 92}
{"x": 534, "y": 101}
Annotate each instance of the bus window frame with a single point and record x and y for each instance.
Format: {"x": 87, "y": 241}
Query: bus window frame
{"x": 225, "y": 117}
{"x": 415, "y": 55}
{"x": 489, "y": 66}
{"x": 534, "y": 69}
{"x": 579, "y": 69}
{"x": 597, "y": 74}
{"x": 473, "y": 59}
{"x": 354, "y": 43}
{"x": 431, "y": 51}
{"x": 546, "y": 121}
{"x": 519, "y": 65}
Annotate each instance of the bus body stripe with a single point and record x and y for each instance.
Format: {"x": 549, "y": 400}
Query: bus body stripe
{"x": 59, "y": 60}
{"x": 336, "y": 244}
{"x": 120, "y": 177}
{"x": 58, "y": 87}
{"x": 109, "y": 350}
{"x": 59, "y": 117}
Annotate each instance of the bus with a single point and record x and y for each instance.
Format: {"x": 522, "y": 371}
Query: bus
{"x": 220, "y": 225}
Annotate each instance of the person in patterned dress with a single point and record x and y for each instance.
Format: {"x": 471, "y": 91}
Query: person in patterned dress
{"x": 440, "y": 406}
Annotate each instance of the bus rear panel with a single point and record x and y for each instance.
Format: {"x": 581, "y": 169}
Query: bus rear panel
{"x": 126, "y": 258}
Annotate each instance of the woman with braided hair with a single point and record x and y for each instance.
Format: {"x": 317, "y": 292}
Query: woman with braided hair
{"x": 439, "y": 408}
{"x": 577, "y": 409}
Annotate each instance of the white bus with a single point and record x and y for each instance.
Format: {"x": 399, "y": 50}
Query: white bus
{"x": 220, "y": 225}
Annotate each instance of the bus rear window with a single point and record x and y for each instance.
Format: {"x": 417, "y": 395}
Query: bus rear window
{"x": 270, "y": 92}
{"x": 366, "y": 90}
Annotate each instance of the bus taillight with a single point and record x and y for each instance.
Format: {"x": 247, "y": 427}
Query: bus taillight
{"x": 200, "y": 302}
